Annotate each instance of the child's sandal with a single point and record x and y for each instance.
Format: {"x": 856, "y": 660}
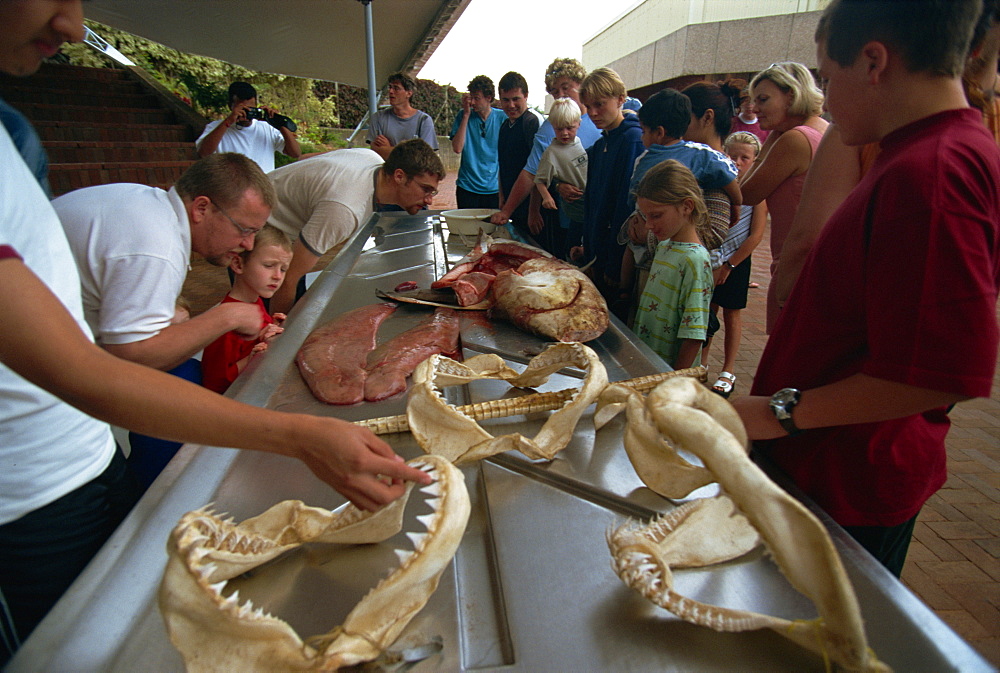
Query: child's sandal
{"x": 724, "y": 384}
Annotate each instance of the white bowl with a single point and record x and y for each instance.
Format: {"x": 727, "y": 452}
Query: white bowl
{"x": 468, "y": 221}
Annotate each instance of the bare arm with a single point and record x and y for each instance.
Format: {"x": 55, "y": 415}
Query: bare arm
{"x": 732, "y": 190}
{"x": 55, "y": 355}
{"x": 857, "y": 399}
{"x": 382, "y": 146}
{"x": 688, "y": 351}
{"x": 292, "y": 148}
{"x": 210, "y": 143}
{"x": 458, "y": 142}
{"x": 523, "y": 186}
{"x": 547, "y": 200}
{"x": 789, "y": 156}
{"x": 176, "y": 343}
{"x": 834, "y": 172}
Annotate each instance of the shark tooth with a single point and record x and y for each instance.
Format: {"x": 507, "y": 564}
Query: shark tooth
{"x": 215, "y": 633}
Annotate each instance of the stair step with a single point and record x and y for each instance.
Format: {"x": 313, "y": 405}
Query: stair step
{"x": 69, "y": 113}
{"x": 67, "y": 177}
{"x": 69, "y": 82}
{"x": 104, "y": 132}
{"x": 70, "y": 151}
{"x": 94, "y": 97}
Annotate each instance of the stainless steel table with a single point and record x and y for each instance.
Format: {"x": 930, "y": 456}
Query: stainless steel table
{"x": 530, "y": 589}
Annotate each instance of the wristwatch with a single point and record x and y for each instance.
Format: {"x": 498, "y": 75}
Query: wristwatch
{"x": 729, "y": 264}
{"x": 782, "y": 403}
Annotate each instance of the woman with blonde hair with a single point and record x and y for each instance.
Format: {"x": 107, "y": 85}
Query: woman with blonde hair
{"x": 788, "y": 104}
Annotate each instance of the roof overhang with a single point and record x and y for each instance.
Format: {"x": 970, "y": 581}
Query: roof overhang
{"x": 320, "y": 39}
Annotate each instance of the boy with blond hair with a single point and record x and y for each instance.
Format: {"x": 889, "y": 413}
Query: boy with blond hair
{"x": 564, "y": 161}
{"x": 609, "y": 169}
{"x": 856, "y": 380}
{"x": 258, "y": 275}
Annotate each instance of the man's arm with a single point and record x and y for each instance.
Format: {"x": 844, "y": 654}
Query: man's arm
{"x": 857, "y": 399}
{"x": 210, "y": 143}
{"x": 382, "y": 146}
{"x": 55, "y": 355}
{"x": 303, "y": 260}
{"x": 523, "y": 186}
{"x": 176, "y": 343}
{"x": 458, "y": 136}
{"x": 292, "y": 148}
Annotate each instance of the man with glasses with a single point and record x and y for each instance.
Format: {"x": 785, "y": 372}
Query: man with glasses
{"x": 475, "y": 135}
{"x": 401, "y": 121}
{"x": 133, "y": 243}
{"x": 323, "y": 200}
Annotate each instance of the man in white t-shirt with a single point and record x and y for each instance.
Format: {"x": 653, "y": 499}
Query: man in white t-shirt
{"x": 257, "y": 137}
{"x": 133, "y": 243}
{"x": 323, "y": 200}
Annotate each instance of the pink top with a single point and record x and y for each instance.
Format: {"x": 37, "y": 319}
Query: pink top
{"x": 754, "y": 128}
{"x": 781, "y": 204}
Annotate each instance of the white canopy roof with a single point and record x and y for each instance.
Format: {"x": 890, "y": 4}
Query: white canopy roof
{"x": 321, "y": 39}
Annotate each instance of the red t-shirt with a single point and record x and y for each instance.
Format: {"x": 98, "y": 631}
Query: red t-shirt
{"x": 901, "y": 285}
{"x": 218, "y": 362}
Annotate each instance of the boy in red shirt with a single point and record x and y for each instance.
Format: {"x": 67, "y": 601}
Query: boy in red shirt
{"x": 893, "y": 317}
{"x": 258, "y": 274}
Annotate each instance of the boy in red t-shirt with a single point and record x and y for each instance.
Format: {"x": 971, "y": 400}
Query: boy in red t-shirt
{"x": 258, "y": 274}
{"x": 866, "y": 359}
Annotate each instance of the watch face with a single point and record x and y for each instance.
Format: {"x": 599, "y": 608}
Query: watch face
{"x": 783, "y": 397}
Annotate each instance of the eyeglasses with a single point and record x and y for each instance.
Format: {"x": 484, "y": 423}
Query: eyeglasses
{"x": 429, "y": 190}
{"x": 244, "y": 231}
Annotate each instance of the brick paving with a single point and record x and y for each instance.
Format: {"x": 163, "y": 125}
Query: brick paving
{"x": 954, "y": 559}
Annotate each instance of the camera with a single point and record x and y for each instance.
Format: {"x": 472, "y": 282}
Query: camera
{"x": 254, "y": 113}
{"x": 278, "y": 121}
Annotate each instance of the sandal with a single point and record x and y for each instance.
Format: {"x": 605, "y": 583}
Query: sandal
{"x": 724, "y": 384}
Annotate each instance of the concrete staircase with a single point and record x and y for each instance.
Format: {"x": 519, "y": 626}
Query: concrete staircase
{"x": 104, "y": 125}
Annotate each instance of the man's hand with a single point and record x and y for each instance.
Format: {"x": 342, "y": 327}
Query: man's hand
{"x": 568, "y": 192}
{"x": 381, "y": 143}
{"x": 238, "y": 113}
{"x": 499, "y": 218}
{"x": 466, "y": 103}
{"x": 535, "y": 221}
{"x": 359, "y": 465}
{"x": 244, "y": 318}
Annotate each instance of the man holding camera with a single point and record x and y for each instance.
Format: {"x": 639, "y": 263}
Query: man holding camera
{"x": 257, "y": 132}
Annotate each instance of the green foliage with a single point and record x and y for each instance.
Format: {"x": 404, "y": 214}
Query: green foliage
{"x": 203, "y": 82}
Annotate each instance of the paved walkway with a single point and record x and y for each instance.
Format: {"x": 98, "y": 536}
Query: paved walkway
{"x": 954, "y": 560}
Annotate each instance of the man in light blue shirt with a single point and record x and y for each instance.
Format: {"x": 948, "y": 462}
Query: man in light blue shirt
{"x": 475, "y": 135}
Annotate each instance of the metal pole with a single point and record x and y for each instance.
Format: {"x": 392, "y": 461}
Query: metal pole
{"x": 370, "y": 45}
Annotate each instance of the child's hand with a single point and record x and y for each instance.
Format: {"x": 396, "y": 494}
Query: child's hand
{"x": 269, "y": 332}
{"x": 549, "y": 202}
{"x": 279, "y": 318}
{"x": 258, "y": 349}
{"x": 637, "y": 232}
{"x": 721, "y": 274}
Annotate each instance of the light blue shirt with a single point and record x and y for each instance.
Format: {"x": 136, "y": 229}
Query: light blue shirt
{"x": 480, "y": 168}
